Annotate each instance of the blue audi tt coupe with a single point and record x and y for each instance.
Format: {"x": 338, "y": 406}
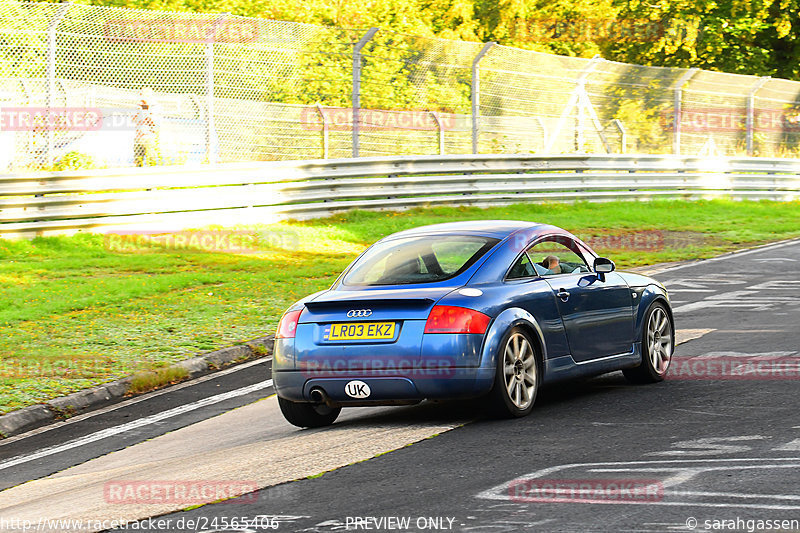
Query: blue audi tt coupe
{"x": 490, "y": 309}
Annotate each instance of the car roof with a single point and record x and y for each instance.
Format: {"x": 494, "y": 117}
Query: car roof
{"x": 498, "y": 229}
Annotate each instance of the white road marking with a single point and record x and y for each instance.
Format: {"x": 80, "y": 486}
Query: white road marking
{"x": 752, "y": 331}
{"x": 745, "y": 298}
{"x": 700, "y": 284}
{"x": 734, "y": 255}
{"x": 705, "y": 413}
{"x": 679, "y": 471}
{"x": 761, "y": 356}
{"x": 660, "y": 527}
{"x": 793, "y": 446}
{"x": 252, "y": 443}
{"x": 134, "y": 424}
{"x": 686, "y": 335}
{"x": 750, "y": 295}
{"x": 787, "y": 497}
{"x": 133, "y": 401}
{"x": 506, "y": 525}
{"x": 694, "y": 291}
{"x": 711, "y": 446}
{"x": 777, "y": 285}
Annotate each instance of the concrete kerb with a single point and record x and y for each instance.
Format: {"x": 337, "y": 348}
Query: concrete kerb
{"x": 35, "y": 415}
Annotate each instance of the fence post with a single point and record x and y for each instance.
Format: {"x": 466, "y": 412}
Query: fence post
{"x": 211, "y": 127}
{"x": 543, "y": 127}
{"x": 476, "y": 95}
{"x": 325, "y": 134}
{"x": 357, "y": 85}
{"x": 751, "y": 100}
{"x": 51, "y": 73}
{"x": 623, "y": 135}
{"x": 583, "y": 102}
{"x": 28, "y": 134}
{"x": 676, "y": 119}
{"x": 440, "y": 130}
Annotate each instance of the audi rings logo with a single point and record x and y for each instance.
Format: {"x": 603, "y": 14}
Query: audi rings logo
{"x": 359, "y": 313}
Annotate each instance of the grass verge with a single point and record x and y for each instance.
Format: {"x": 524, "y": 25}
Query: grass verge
{"x": 82, "y": 310}
{"x": 147, "y": 381}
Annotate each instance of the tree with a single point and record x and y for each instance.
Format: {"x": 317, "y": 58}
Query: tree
{"x": 739, "y": 36}
{"x": 565, "y": 27}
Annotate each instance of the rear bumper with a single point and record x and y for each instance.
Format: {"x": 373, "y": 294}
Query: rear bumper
{"x": 413, "y": 368}
{"x": 387, "y": 387}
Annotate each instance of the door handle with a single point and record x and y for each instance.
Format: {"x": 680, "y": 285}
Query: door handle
{"x": 563, "y": 295}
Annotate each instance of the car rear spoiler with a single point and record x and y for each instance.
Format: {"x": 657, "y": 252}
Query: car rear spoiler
{"x": 406, "y": 303}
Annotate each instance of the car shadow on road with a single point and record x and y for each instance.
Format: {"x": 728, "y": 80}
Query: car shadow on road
{"x": 460, "y": 412}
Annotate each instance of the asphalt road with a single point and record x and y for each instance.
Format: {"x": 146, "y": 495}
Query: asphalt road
{"x": 716, "y": 447}
{"x": 82, "y": 428}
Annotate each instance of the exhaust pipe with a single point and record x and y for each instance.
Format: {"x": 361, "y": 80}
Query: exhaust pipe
{"x": 318, "y": 395}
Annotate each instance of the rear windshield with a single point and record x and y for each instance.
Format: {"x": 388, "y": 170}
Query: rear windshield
{"x": 422, "y": 259}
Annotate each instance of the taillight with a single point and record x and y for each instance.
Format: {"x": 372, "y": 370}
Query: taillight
{"x": 287, "y": 327}
{"x": 451, "y": 319}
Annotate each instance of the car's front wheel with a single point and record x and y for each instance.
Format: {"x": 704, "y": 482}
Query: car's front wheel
{"x": 658, "y": 343}
{"x": 308, "y": 415}
{"x": 516, "y": 380}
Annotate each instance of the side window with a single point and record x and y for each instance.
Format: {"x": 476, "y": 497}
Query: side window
{"x": 523, "y": 268}
{"x": 551, "y": 258}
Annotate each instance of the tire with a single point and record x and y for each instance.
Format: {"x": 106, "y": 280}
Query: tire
{"x": 517, "y": 377}
{"x": 658, "y": 345}
{"x": 308, "y": 415}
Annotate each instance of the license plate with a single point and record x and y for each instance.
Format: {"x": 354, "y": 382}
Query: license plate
{"x": 362, "y": 331}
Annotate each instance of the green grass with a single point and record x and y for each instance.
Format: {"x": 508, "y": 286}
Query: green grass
{"x": 75, "y": 313}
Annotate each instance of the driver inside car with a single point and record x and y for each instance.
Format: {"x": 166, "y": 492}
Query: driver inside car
{"x": 551, "y": 263}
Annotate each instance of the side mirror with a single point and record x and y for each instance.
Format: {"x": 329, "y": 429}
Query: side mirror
{"x": 603, "y": 265}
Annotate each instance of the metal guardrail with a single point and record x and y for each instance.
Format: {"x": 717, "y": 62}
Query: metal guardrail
{"x": 169, "y": 198}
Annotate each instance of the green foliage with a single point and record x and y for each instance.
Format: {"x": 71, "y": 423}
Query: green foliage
{"x": 645, "y": 127}
{"x": 566, "y": 27}
{"x": 757, "y": 37}
{"x": 74, "y": 161}
{"x": 24, "y": 52}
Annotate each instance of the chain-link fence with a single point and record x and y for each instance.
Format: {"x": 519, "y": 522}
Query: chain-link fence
{"x": 106, "y": 86}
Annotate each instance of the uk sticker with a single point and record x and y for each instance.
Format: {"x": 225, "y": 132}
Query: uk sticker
{"x": 357, "y": 389}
